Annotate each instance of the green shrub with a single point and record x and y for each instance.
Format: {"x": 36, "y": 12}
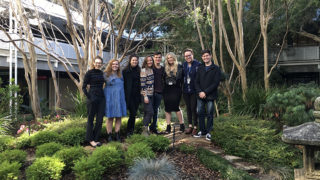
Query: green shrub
{"x": 158, "y": 143}
{"x": 109, "y": 156}
{"x": 74, "y": 136}
{"x": 187, "y": 149}
{"x": 45, "y": 168}
{"x": 6, "y": 97}
{"x": 105, "y": 159}
{"x": 135, "y": 138}
{"x": 48, "y": 149}
{"x": 80, "y": 104}
{"x": 254, "y": 140}
{"x": 14, "y": 155}
{"x": 217, "y": 163}
{"x": 152, "y": 169}
{"x": 70, "y": 155}
{"x": 88, "y": 169}
{"x": 9, "y": 170}
{"x": 69, "y": 122}
{"x": 252, "y": 106}
{"x": 292, "y": 106}
{"x": 23, "y": 142}
{"x": 138, "y": 150}
{"x": 44, "y": 137}
{"x": 5, "y": 142}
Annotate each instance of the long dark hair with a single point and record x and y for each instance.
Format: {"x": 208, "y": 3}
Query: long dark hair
{"x": 144, "y": 64}
{"x": 129, "y": 62}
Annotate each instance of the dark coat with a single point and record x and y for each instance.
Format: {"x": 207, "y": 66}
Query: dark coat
{"x": 208, "y": 81}
{"x": 190, "y": 88}
{"x": 132, "y": 86}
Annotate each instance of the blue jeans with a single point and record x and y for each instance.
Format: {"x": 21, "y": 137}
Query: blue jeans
{"x": 156, "y": 104}
{"x": 201, "y": 109}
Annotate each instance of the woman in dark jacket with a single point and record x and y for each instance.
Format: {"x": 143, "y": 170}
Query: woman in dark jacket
{"x": 131, "y": 76}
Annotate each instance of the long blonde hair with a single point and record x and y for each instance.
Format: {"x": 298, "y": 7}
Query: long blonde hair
{"x": 108, "y": 70}
{"x": 174, "y": 67}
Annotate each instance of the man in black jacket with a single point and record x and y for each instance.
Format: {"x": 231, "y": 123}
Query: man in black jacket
{"x": 206, "y": 84}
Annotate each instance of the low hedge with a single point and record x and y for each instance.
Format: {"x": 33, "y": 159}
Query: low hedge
{"x": 45, "y": 168}
{"x": 138, "y": 150}
{"x": 44, "y": 137}
{"x": 9, "y": 170}
{"x": 70, "y": 155}
{"x": 14, "y": 155}
{"x": 48, "y": 149}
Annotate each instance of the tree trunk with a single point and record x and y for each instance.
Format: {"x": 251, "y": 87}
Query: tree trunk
{"x": 197, "y": 24}
{"x": 30, "y": 64}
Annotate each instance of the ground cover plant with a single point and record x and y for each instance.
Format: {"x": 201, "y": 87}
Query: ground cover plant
{"x": 257, "y": 141}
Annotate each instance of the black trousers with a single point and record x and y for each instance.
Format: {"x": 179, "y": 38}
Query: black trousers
{"x": 191, "y": 103}
{"x": 96, "y": 107}
{"x": 133, "y": 108}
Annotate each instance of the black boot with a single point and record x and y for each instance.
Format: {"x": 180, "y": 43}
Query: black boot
{"x": 117, "y": 136}
{"x": 109, "y": 138}
{"x": 168, "y": 130}
{"x": 182, "y": 127}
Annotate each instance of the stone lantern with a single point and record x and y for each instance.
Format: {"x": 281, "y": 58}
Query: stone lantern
{"x": 307, "y": 135}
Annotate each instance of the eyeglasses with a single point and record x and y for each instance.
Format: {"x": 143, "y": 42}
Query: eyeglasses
{"x": 188, "y": 56}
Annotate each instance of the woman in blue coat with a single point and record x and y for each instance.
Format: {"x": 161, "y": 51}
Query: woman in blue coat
{"x": 115, "y": 98}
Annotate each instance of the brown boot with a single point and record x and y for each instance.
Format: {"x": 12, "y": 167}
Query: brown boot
{"x": 194, "y": 131}
{"x": 189, "y": 130}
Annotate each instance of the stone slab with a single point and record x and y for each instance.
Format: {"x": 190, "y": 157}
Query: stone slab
{"x": 232, "y": 159}
{"x": 246, "y": 167}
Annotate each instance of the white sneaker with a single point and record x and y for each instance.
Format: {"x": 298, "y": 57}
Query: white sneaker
{"x": 208, "y": 136}
{"x": 198, "y": 135}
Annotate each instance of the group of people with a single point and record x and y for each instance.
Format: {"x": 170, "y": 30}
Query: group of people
{"x": 112, "y": 92}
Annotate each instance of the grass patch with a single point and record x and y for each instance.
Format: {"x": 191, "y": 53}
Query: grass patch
{"x": 256, "y": 141}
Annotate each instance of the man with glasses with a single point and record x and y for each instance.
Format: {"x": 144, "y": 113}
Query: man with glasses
{"x": 190, "y": 67}
{"x": 206, "y": 84}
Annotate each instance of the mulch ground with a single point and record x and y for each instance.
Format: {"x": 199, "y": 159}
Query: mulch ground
{"x": 189, "y": 167}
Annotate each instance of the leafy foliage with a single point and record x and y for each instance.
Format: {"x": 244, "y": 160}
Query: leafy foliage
{"x": 158, "y": 143}
{"x": 103, "y": 159}
{"x": 135, "y": 138}
{"x": 187, "y": 149}
{"x": 45, "y": 168}
{"x": 292, "y": 106}
{"x": 74, "y": 136}
{"x": 14, "y": 155}
{"x": 9, "y": 170}
{"x": 256, "y": 97}
{"x": 23, "y": 141}
{"x": 48, "y": 149}
{"x": 152, "y": 169}
{"x": 255, "y": 140}
{"x": 6, "y": 97}
{"x": 88, "y": 169}
{"x": 70, "y": 155}
{"x": 138, "y": 150}
{"x": 5, "y": 142}
{"x": 80, "y": 104}
{"x": 44, "y": 137}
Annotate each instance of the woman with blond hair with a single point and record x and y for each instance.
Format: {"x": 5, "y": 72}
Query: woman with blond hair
{"x": 147, "y": 89}
{"x": 173, "y": 90}
{"x": 115, "y": 98}
{"x": 95, "y": 100}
